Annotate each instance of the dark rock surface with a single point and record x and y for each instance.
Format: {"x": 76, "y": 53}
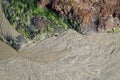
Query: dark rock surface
{"x": 69, "y": 56}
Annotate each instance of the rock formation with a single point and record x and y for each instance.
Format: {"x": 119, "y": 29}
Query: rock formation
{"x": 99, "y": 15}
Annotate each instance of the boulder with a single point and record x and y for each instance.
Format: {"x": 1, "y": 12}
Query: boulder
{"x": 69, "y": 56}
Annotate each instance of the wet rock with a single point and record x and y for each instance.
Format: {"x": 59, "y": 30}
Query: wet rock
{"x": 33, "y": 31}
{"x": 20, "y": 43}
{"x": 17, "y": 43}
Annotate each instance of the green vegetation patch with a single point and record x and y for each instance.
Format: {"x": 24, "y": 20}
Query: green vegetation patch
{"x": 114, "y": 30}
{"x": 34, "y": 22}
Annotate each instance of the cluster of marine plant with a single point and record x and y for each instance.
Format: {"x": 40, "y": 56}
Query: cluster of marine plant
{"x": 33, "y": 21}
{"x": 115, "y": 30}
